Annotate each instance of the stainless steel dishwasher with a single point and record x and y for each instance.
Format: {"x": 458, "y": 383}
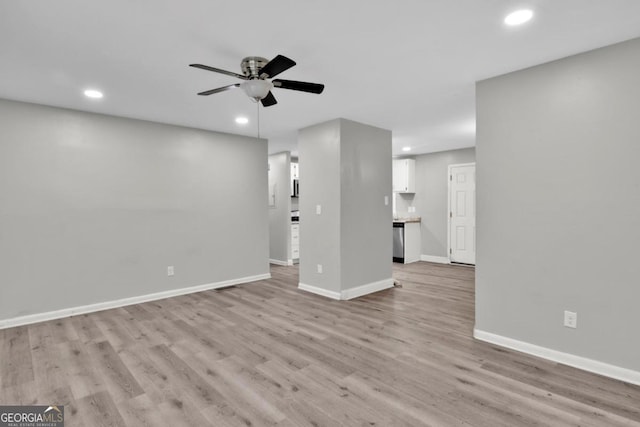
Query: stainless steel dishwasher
{"x": 398, "y": 242}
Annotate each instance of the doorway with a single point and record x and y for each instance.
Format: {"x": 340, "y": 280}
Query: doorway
{"x": 462, "y": 213}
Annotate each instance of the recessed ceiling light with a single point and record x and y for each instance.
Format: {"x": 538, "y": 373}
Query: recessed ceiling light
{"x": 92, "y": 93}
{"x": 518, "y": 17}
{"x": 406, "y": 148}
{"x": 242, "y": 120}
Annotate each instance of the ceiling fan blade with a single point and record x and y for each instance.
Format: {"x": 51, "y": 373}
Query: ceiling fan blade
{"x": 220, "y": 89}
{"x": 218, "y": 70}
{"x": 269, "y": 100}
{"x": 301, "y": 86}
{"x": 276, "y": 66}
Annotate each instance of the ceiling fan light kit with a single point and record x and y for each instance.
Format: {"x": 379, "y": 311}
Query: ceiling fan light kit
{"x": 256, "y": 89}
{"x": 257, "y": 72}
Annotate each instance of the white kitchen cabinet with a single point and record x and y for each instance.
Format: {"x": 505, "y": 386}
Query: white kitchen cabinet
{"x": 404, "y": 176}
{"x": 295, "y": 241}
{"x": 412, "y": 242}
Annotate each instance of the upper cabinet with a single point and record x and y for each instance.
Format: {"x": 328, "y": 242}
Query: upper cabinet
{"x": 404, "y": 176}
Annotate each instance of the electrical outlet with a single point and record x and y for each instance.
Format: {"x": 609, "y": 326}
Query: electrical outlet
{"x": 318, "y": 209}
{"x": 170, "y": 271}
{"x": 412, "y": 209}
{"x": 319, "y": 268}
{"x": 570, "y": 319}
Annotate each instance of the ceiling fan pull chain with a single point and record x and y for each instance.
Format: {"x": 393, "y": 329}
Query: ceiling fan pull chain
{"x": 258, "y": 107}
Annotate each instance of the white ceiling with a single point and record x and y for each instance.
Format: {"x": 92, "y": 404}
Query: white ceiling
{"x": 405, "y": 65}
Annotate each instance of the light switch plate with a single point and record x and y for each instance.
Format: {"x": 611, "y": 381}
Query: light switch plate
{"x": 318, "y": 209}
{"x": 570, "y": 319}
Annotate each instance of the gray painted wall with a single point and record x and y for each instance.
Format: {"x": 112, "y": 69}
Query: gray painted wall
{"x": 346, "y": 168}
{"x": 365, "y": 222}
{"x": 94, "y": 208}
{"x": 280, "y": 214}
{"x": 558, "y": 197}
{"x": 431, "y": 197}
{"x": 319, "y": 160}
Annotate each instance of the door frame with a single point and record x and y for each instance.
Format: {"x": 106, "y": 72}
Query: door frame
{"x": 449, "y": 181}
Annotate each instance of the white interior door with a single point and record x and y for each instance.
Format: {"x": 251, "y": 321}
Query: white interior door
{"x": 462, "y": 213}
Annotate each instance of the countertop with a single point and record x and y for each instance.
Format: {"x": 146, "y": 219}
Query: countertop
{"x": 407, "y": 220}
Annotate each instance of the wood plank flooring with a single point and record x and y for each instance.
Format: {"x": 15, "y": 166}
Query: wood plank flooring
{"x": 267, "y": 354}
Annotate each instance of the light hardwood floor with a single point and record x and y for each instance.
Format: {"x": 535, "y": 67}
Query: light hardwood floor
{"x": 266, "y": 353}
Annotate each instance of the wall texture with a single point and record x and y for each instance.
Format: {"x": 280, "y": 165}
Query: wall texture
{"x": 280, "y": 214}
{"x": 431, "y": 197}
{"x": 559, "y": 204}
{"x": 94, "y": 208}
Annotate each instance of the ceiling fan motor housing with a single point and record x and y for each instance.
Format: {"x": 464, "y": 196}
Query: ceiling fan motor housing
{"x": 251, "y": 66}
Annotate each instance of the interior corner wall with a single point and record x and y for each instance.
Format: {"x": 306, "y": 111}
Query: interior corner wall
{"x": 431, "y": 197}
{"x": 280, "y": 210}
{"x": 558, "y": 218}
{"x": 95, "y": 208}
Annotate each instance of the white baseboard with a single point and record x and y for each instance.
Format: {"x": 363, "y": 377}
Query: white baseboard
{"x": 437, "y": 259}
{"x": 601, "y": 368}
{"x": 278, "y": 262}
{"x": 91, "y": 308}
{"x": 369, "y": 288}
{"x": 349, "y": 293}
{"x": 319, "y": 291}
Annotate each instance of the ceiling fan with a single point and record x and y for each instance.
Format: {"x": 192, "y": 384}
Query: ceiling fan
{"x": 257, "y": 75}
